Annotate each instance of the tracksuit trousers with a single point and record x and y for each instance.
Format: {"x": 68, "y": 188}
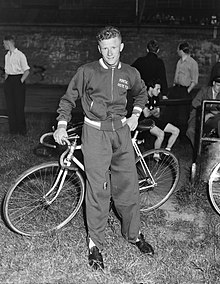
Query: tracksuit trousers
{"x": 111, "y": 172}
{"x": 15, "y": 102}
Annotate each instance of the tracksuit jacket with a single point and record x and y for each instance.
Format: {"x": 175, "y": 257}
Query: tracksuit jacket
{"x": 103, "y": 92}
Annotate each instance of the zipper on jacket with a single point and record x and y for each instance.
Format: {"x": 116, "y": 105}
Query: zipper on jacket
{"x": 112, "y": 94}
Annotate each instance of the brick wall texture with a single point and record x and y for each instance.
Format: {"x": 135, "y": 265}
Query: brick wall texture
{"x": 55, "y": 52}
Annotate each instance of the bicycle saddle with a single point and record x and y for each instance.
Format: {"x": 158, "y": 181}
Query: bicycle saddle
{"x": 145, "y": 124}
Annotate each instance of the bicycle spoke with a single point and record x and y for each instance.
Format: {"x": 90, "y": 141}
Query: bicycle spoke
{"x": 165, "y": 175}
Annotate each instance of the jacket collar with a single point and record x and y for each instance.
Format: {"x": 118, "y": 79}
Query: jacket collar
{"x": 105, "y": 66}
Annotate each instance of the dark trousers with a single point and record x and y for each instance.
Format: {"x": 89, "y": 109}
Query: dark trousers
{"x": 104, "y": 150}
{"x": 178, "y": 114}
{"x": 15, "y": 102}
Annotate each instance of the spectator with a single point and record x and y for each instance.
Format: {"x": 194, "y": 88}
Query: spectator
{"x": 185, "y": 79}
{"x": 212, "y": 115}
{"x": 106, "y": 141}
{"x": 215, "y": 71}
{"x": 152, "y": 67}
{"x": 152, "y": 111}
{"x": 16, "y": 72}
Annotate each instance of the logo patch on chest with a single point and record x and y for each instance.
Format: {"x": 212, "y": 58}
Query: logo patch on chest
{"x": 123, "y": 84}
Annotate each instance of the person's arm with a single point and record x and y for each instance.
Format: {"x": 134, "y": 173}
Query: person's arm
{"x": 191, "y": 86}
{"x": 197, "y": 101}
{"x": 67, "y": 103}
{"x": 6, "y": 74}
{"x": 74, "y": 90}
{"x": 176, "y": 73}
{"x": 146, "y": 112}
{"x": 155, "y": 112}
{"x": 139, "y": 92}
{"x": 24, "y": 66}
{"x": 140, "y": 96}
{"x": 25, "y": 75}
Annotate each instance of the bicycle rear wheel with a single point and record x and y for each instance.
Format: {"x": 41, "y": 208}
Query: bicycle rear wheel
{"x": 163, "y": 168}
{"x": 28, "y": 211}
{"x": 214, "y": 188}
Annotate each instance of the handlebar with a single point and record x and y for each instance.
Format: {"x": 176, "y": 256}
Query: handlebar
{"x": 49, "y": 134}
{"x": 68, "y": 140}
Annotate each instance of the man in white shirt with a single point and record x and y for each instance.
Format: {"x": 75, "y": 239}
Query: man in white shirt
{"x": 185, "y": 80}
{"x": 16, "y": 72}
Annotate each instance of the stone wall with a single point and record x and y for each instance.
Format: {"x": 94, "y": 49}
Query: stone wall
{"x": 55, "y": 52}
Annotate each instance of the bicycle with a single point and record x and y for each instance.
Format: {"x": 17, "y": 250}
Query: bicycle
{"x": 47, "y": 196}
{"x": 214, "y": 187}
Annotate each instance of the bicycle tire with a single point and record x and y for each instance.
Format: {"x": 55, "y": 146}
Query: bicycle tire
{"x": 4, "y": 127}
{"x": 214, "y": 187}
{"x": 25, "y": 208}
{"x": 165, "y": 171}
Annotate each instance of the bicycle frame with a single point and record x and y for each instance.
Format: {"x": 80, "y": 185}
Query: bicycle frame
{"x": 142, "y": 161}
{"x": 66, "y": 162}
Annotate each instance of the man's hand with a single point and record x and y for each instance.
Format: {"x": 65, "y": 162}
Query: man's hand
{"x": 208, "y": 115}
{"x": 146, "y": 112}
{"x": 132, "y": 122}
{"x": 60, "y": 136}
{"x": 155, "y": 112}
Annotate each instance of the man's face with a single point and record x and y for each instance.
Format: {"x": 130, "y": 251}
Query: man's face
{"x": 216, "y": 87}
{"x": 110, "y": 50}
{"x": 156, "y": 90}
{"x": 6, "y": 44}
{"x": 179, "y": 52}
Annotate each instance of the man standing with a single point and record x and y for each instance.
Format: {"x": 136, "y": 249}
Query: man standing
{"x": 185, "y": 79}
{"x": 106, "y": 141}
{"x": 16, "y": 72}
{"x": 151, "y": 67}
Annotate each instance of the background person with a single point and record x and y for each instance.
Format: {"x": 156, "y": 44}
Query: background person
{"x": 16, "y": 72}
{"x": 215, "y": 71}
{"x": 152, "y": 67}
{"x": 106, "y": 141}
{"x": 212, "y": 115}
{"x": 152, "y": 111}
{"x": 185, "y": 80}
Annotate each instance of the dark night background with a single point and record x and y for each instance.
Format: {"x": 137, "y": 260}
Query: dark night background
{"x": 58, "y": 36}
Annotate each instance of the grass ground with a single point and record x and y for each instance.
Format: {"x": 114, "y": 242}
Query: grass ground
{"x": 184, "y": 232}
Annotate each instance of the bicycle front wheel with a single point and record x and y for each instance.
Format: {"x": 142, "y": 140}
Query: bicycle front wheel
{"x": 29, "y": 209}
{"x": 214, "y": 188}
{"x": 158, "y": 175}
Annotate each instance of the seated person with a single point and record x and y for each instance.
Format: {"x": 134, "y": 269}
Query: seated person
{"x": 152, "y": 111}
{"x": 212, "y": 115}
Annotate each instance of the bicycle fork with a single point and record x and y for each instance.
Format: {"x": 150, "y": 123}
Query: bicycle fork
{"x": 65, "y": 164}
